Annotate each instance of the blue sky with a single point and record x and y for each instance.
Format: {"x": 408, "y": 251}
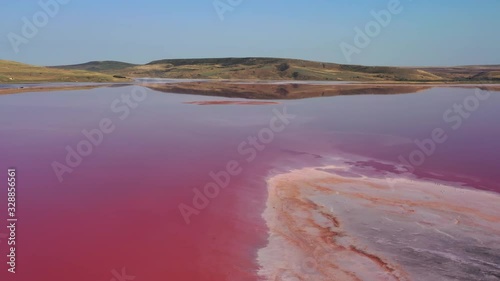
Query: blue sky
{"x": 425, "y": 32}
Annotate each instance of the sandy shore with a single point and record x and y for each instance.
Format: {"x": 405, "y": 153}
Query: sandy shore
{"x": 330, "y": 223}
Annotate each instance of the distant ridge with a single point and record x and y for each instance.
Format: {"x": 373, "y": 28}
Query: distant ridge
{"x": 227, "y": 61}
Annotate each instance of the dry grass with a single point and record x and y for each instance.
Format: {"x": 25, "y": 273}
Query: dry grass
{"x": 14, "y": 72}
{"x": 295, "y": 71}
{"x": 291, "y": 69}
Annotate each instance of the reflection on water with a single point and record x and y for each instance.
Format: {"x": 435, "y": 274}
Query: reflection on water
{"x": 276, "y": 82}
{"x": 52, "y": 84}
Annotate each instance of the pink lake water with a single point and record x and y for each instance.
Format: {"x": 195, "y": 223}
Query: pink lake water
{"x": 118, "y": 210}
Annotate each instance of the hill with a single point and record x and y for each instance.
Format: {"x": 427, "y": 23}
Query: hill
{"x": 289, "y": 69}
{"x": 15, "y": 72}
{"x": 98, "y": 66}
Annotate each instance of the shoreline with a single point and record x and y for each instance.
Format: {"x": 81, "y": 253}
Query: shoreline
{"x": 283, "y": 90}
{"x": 329, "y": 222}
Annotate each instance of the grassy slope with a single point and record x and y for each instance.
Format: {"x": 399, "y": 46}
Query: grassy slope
{"x": 273, "y": 69}
{"x": 98, "y": 66}
{"x": 288, "y": 69}
{"x": 14, "y": 72}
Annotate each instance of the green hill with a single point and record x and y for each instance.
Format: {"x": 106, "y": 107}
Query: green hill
{"x": 98, "y": 66}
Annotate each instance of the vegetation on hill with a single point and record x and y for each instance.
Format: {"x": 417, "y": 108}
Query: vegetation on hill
{"x": 243, "y": 68}
{"x": 288, "y": 69}
{"x": 15, "y": 72}
{"x": 99, "y": 66}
